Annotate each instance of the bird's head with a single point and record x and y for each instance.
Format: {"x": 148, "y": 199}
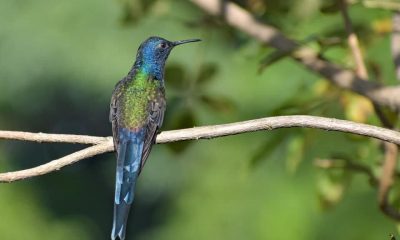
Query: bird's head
{"x": 154, "y": 51}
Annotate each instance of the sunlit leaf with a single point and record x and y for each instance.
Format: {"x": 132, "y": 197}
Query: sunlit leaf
{"x": 382, "y": 26}
{"x": 307, "y": 8}
{"x": 257, "y": 7}
{"x": 331, "y": 187}
{"x": 392, "y": 237}
{"x": 357, "y": 108}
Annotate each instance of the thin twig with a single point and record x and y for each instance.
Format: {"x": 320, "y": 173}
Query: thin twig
{"x": 207, "y": 132}
{"x": 51, "y": 137}
{"x": 390, "y": 5}
{"x": 239, "y": 18}
{"x": 352, "y": 40}
{"x": 346, "y": 164}
{"x": 386, "y": 180}
{"x": 106, "y": 146}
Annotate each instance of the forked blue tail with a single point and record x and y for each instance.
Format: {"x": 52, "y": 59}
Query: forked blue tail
{"x": 130, "y": 150}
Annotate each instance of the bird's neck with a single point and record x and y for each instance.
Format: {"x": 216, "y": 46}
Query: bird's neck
{"x": 149, "y": 67}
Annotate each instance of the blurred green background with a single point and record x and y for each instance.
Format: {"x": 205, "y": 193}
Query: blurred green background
{"x": 60, "y": 60}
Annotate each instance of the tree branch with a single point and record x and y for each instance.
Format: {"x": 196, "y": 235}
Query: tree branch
{"x": 205, "y": 132}
{"x": 239, "y": 18}
{"x": 106, "y": 146}
{"x": 51, "y": 137}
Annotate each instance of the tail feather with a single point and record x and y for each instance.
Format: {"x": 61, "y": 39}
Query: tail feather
{"x": 121, "y": 212}
{"x": 130, "y": 149}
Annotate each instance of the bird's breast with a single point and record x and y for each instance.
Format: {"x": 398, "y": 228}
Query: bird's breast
{"x": 134, "y": 103}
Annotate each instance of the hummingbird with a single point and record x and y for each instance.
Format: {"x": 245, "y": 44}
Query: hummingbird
{"x": 136, "y": 113}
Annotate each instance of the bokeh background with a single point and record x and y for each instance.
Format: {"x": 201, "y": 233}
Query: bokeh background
{"x": 60, "y": 60}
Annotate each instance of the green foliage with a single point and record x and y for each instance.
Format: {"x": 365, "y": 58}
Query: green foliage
{"x": 60, "y": 61}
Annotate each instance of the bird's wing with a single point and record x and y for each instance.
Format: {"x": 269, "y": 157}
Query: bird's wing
{"x": 113, "y": 111}
{"x": 155, "y": 119}
{"x": 133, "y": 147}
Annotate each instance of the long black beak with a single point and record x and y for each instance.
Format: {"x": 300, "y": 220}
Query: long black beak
{"x": 176, "y": 43}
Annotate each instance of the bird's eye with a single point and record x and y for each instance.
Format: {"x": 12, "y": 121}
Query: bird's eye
{"x": 163, "y": 45}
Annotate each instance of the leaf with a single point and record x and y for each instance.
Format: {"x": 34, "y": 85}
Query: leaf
{"x": 207, "y": 72}
{"x": 175, "y": 77}
{"x": 394, "y": 196}
{"x": 221, "y": 104}
{"x": 357, "y": 108}
{"x": 330, "y": 7}
{"x": 295, "y": 153}
{"x": 331, "y": 185}
{"x": 382, "y": 26}
{"x": 268, "y": 147}
{"x": 273, "y": 58}
{"x": 133, "y": 11}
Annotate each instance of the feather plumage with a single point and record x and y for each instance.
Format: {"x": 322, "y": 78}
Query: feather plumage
{"x": 136, "y": 113}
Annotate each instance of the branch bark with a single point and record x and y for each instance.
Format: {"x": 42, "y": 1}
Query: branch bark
{"x": 49, "y": 137}
{"x": 205, "y": 132}
{"x": 239, "y": 18}
{"x": 106, "y": 146}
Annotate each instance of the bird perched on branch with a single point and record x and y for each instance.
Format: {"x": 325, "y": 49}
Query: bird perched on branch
{"x": 136, "y": 113}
